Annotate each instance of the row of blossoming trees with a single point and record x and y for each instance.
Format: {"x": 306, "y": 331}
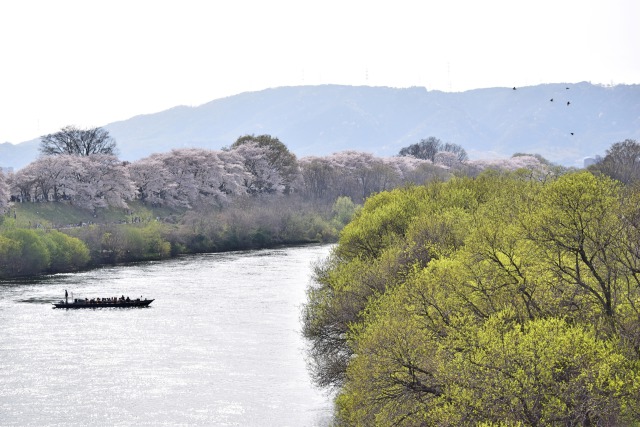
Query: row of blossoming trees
{"x": 191, "y": 178}
{"x": 252, "y": 194}
{"x": 198, "y": 177}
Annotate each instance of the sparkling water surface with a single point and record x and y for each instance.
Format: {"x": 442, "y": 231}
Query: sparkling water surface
{"x": 219, "y": 346}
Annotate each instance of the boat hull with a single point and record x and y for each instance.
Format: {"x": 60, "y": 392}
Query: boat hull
{"x": 118, "y": 304}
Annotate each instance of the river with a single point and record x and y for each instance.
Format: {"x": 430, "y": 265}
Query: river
{"x": 219, "y": 346}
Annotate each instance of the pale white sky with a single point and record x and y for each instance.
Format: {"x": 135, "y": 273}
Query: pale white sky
{"x": 92, "y": 62}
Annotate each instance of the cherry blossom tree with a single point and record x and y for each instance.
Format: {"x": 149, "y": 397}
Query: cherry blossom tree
{"x": 509, "y": 164}
{"x": 459, "y": 152}
{"x": 108, "y": 182}
{"x": 363, "y": 174}
{"x": 152, "y": 180}
{"x": 21, "y": 185}
{"x": 4, "y": 192}
{"x": 234, "y": 173}
{"x": 412, "y": 170}
{"x": 46, "y": 177}
{"x": 272, "y": 166}
{"x": 447, "y": 159}
{"x": 357, "y": 175}
{"x": 88, "y": 181}
{"x": 189, "y": 177}
{"x": 263, "y": 177}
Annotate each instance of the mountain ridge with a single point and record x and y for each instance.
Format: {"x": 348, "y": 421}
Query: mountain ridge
{"x": 323, "y": 119}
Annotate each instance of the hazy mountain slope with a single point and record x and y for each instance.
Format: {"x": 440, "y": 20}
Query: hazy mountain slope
{"x": 320, "y": 120}
{"x": 323, "y": 119}
{"x": 18, "y": 155}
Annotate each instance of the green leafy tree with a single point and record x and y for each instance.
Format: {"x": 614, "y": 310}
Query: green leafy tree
{"x": 376, "y": 251}
{"x": 66, "y": 253}
{"x": 393, "y": 377}
{"x": 575, "y": 222}
{"x": 501, "y": 300}
{"x": 31, "y": 256}
{"x": 10, "y": 250}
{"x": 157, "y": 246}
{"x": 542, "y": 372}
{"x": 344, "y": 209}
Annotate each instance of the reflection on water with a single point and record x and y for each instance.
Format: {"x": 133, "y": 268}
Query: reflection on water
{"x": 219, "y": 346}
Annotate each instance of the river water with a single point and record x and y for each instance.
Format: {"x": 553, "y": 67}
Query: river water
{"x": 219, "y": 346}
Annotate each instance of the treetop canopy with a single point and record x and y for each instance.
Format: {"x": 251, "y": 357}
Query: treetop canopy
{"x": 80, "y": 142}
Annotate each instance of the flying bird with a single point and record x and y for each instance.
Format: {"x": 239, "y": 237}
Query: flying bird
{"x": 571, "y": 133}
{"x": 551, "y": 100}
{"x": 568, "y": 103}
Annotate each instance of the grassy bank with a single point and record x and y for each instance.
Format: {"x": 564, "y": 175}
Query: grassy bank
{"x": 37, "y": 238}
{"x": 63, "y": 215}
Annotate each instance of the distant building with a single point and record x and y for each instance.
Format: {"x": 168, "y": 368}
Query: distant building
{"x": 588, "y": 161}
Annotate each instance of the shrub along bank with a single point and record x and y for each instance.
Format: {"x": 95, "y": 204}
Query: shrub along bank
{"x": 30, "y": 243}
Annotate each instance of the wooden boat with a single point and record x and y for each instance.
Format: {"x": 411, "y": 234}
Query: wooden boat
{"x": 82, "y": 303}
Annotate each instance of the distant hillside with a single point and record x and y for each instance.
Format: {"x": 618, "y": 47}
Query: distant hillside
{"x": 320, "y": 120}
{"x": 18, "y": 155}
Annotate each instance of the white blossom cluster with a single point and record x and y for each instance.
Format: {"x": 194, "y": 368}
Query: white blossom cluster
{"x": 194, "y": 177}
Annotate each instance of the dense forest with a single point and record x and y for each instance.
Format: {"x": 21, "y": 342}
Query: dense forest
{"x": 508, "y": 298}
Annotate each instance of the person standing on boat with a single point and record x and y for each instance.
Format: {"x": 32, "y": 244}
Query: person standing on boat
{"x": 66, "y": 297}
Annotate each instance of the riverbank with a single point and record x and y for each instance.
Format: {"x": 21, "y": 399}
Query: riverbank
{"x": 43, "y": 238}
